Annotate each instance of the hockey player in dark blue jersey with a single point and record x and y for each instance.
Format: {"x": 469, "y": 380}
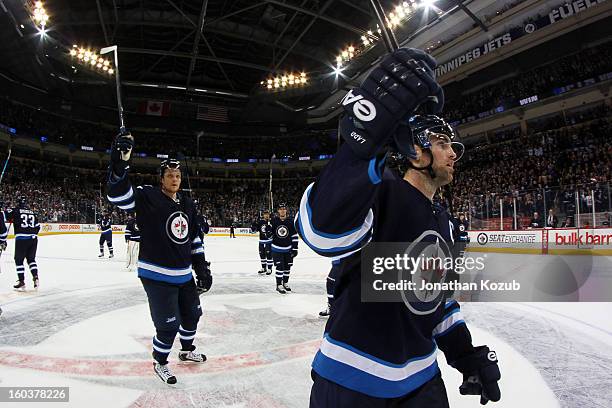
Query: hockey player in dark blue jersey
{"x": 383, "y": 354}
{"x": 204, "y": 226}
{"x": 25, "y": 223}
{"x": 106, "y": 234}
{"x": 170, "y": 247}
{"x": 460, "y": 233}
{"x": 264, "y": 228}
{"x": 3, "y": 232}
{"x": 284, "y": 248}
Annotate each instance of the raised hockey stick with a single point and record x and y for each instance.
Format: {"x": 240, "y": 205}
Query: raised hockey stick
{"x": 388, "y": 36}
{"x": 183, "y": 157}
{"x": 5, "y": 164}
{"x": 113, "y": 49}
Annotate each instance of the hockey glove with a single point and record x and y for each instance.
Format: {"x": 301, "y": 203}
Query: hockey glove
{"x": 203, "y": 277}
{"x": 402, "y": 82}
{"x": 480, "y": 374}
{"x": 3, "y": 246}
{"x": 294, "y": 253}
{"x": 121, "y": 150}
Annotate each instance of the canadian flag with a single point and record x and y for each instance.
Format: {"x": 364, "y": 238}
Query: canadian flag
{"x": 155, "y": 108}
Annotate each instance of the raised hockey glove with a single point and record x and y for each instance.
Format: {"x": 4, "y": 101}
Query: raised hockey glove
{"x": 402, "y": 82}
{"x": 2, "y": 245}
{"x": 121, "y": 150}
{"x": 480, "y": 374}
{"x": 203, "y": 277}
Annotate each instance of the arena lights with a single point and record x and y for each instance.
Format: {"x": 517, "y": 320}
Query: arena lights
{"x": 400, "y": 13}
{"x": 91, "y": 59}
{"x": 40, "y": 16}
{"x": 285, "y": 81}
{"x": 346, "y": 55}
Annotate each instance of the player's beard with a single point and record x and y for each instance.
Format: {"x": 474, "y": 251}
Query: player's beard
{"x": 444, "y": 174}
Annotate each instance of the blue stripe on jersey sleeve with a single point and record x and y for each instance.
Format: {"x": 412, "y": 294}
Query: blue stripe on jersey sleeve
{"x": 330, "y": 244}
{"x": 124, "y": 197}
{"x": 375, "y": 168}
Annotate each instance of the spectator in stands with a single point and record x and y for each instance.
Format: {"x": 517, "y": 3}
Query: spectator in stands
{"x": 568, "y": 223}
{"x": 535, "y": 222}
{"x": 552, "y": 220}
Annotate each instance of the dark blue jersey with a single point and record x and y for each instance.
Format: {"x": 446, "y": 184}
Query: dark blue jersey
{"x": 132, "y": 232}
{"x": 265, "y": 230}
{"x": 204, "y": 227}
{"x": 284, "y": 235}
{"x": 105, "y": 224}
{"x": 169, "y": 241}
{"x": 3, "y": 228}
{"x": 380, "y": 349}
{"x": 25, "y": 222}
{"x": 460, "y": 229}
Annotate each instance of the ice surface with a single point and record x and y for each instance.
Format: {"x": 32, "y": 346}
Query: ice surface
{"x": 88, "y": 328}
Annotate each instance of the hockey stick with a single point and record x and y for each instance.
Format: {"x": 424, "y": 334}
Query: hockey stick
{"x": 181, "y": 156}
{"x": 113, "y": 49}
{"x": 5, "y": 164}
{"x": 388, "y": 35}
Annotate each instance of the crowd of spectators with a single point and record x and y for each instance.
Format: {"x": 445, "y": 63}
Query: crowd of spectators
{"x": 585, "y": 64}
{"x": 56, "y": 193}
{"x": 540, "y": 170}
{"x": 52, "y": 128}
{"x": 60, "y": 193}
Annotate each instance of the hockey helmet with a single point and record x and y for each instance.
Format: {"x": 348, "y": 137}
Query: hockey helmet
{"x": 168, "y": 164}
{"x": 420, "y": 130}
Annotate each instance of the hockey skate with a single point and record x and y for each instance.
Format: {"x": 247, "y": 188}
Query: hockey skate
{"x": 281, "y": 289}
{"x": 269, "y": 272}
{"x": 164, "y": 373}
{"x": 286, "y": 286}
{"x": 101, "y": 256}
{"x": 111, "y": 256}
{"x": 261, "y": 272}
{"x": 36, "y": 283}
{"x": 20, "y": 286}
{"x": 191, "y": 356}
{"x": 324, "y": 313}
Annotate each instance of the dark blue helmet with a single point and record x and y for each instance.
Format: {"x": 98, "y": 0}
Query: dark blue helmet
{"x": 22, "y": 202}
{"x": 417, "y": 130}
{"x": 168, "y": 164}
{"x": 420, "y": 130}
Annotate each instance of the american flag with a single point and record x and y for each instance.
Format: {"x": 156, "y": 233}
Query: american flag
{"x": 212, "y": 113}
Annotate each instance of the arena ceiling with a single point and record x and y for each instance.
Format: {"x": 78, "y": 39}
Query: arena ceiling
{"x": 196, "y": 50}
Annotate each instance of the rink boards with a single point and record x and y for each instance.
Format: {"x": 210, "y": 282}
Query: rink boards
{"x": 554, "y": 241}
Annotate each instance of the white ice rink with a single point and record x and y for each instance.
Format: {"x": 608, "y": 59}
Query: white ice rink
{"x": 88, "y": 328}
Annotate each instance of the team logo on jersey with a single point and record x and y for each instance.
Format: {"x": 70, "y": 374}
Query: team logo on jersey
{"x": 427, "y": 248}
{"x": 282, "y": 231}
{"x": 461, "y": 227}
{"x": 263, "y": 228}
{"x": 177, "y": 227}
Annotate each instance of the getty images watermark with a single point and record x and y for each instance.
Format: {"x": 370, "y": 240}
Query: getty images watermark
{"x": 427, "y": 271}
{"x": 431, "y": 273}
